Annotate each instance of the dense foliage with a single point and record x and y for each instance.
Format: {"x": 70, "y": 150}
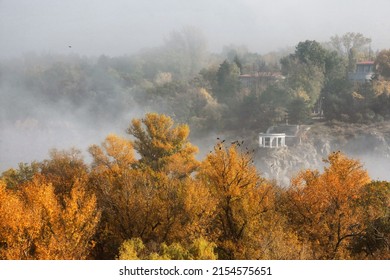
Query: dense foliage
{"x": 147, "y": 197}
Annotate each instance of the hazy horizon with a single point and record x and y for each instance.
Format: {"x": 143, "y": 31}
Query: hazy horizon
{"x": 124, "y": 27}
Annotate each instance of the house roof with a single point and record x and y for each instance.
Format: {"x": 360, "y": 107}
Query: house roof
{"x": 262, "y": 74}
{"x": 288, "y": 129}
{"x": 367, "y": 62}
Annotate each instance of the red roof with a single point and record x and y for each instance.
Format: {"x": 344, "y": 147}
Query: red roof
{"x": 261, "y": 74}
{"x": 368, "y": 62}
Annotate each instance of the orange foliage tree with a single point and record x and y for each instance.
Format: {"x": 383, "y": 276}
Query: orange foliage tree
{"x": 375, "y": 208}
{"x": 36, "y": 224}
{"x": 154, "y": 197}
{"x": 63, "y": 169}
{"x": 111, "y": 179}
{"x": 245, "y": 222}
{"x": 324, "y": 208}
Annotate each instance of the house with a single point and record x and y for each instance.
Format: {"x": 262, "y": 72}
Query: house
{"x": 279, "y": 136}
{"x": 363, "y": 72}
{"x": 272, "y": 140}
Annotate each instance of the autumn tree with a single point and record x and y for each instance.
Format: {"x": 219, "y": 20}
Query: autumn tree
{"x": 35, "y": 224}
{"x": 374, "y": 205}
{"x": 198, "y": 249}
{"x": 55, "y": 214}
{"x": 111, "y": 180}
{"x": 153, "y": 197}
{"x": 163, "y": 146}
{"x": 382, "y": 63}
{"x": 166, "y": 163}
{"x": 63, "y": 169}
{"x": 323, "y": 208}
{"x": 245, "y": 217}
{"x": 17, "y": 226}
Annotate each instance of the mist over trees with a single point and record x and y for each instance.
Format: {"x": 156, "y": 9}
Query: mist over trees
{"x": 144, "y": 193}
{"x": 207, "y": 91}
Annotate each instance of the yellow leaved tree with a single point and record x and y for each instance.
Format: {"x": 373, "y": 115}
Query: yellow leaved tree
{"x": 145, "y": 188}
{"x": 36, "y": 224}
{"x": 324, "y": 208}
{"x": 245, "y": 224}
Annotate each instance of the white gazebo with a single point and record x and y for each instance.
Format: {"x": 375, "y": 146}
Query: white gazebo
{"x": 272, "y": 140}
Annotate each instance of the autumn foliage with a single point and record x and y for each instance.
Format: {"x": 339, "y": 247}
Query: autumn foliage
{"x": 325, "y": 207}
{"x": 146, "y": 196}
{"x": 36, "y": 224}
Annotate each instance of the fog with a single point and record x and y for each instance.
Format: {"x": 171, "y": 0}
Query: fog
{"x": 36, "y": 127}
{"x": 125, "y": 26}
{"x": 44, "y": 35}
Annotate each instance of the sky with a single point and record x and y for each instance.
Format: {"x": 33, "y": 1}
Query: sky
{"x": 119, "y": 27}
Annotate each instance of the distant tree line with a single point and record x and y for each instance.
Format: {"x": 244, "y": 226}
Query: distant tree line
{"x": 191, "y": 85}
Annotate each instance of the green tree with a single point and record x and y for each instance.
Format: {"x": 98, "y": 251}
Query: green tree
{"x": 228, "y": 83}
{"x": 298, "y": 111}
{"x": 311, "y": 53}
{"x": 14, "y": 178}
{"x": 305, "y": 70}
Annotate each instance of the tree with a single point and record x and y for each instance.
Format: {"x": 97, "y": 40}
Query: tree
{"x": 350, "y": 40}
{"x": 323, "y": 208}
{"x": 244, "y": 214}
{"x": 228, "y": 84}
{"x": 167, "y": 161}
{"x": 63, "y": 169}
{"x": 199, "y": 249}
{"x": 382, "y": 63}
{"x": 154, "y": 197}
{"x": 163, "y": 147}
{"x": 111, "y": 179}
{"x": 338, "y": 99}
{"x": 67, "y": 227}
{"x": 306, "y": 70}
{"x": 298, "y": 111}
{"x": 17, "y": 227}
{"x": 184, "y": 52}
{"x": 375, "y": 241}
{"x": 237, "y": 61}
{"x": 311, "y": 53}
{"x": 16, "y": 177}
{"x": 351, "y": 46}
{"x": 35, "y": 224}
